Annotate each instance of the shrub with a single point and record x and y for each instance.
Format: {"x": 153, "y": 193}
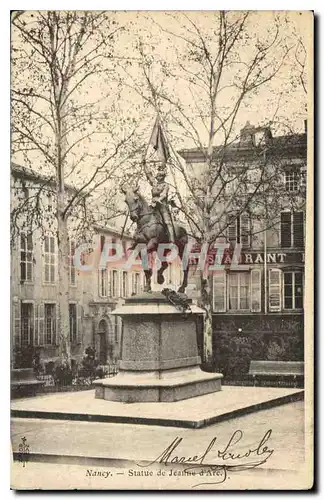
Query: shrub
{"x": 49, "y": 368}
{"x": 275, "y": 351}
{"x": 101, "y": 371}
{"x": 89, "y": 363}
{"x": 63, "y": 374}
{"x": 28, "y": 357}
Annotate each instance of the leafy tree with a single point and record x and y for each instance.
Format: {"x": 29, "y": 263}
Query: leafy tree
{"x": 209, "y": 76}
{"x": 67, "y": 125}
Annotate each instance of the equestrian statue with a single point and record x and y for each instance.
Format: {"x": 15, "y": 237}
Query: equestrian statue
{"x": 155, "y": 223}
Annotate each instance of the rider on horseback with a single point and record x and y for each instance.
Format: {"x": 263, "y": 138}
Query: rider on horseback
{"x": 160, "y": 194}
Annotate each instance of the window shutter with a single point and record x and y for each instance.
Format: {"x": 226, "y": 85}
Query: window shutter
{"x": 256, "y": 290}
{"x": 120, "y": 329}
{"x": 141, "y": 281}
{"x": 121, "y": 284}
{"x": 285, "y": 229}
{"x": 232, "y": 230}
{"x": 219, "y": 291}
{"x": 298, "y": 229}
{"x": 100, "y": 282}
{"x": 102, "y": 242}
{"x": 274, "y": 289}
{"x": 245, "y": 230}
{"x": 79, "y": 324}
{"x": 41, "y": 324}
{"x": 117, "y": 289}
{"x": 36, "y": 326}
{"x": 56, "y": 328}
{"x": 122, "y": 275}
{"x": 108, "y": 284}
{"x": 133, "y": 283}
{"x": 16, "y": 324}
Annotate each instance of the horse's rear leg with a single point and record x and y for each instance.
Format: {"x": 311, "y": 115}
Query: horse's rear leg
{"x": 184, "y": 284}
{"x": 160, "y": 277}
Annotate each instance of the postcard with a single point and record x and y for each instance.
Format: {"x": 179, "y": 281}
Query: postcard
{"x": 162, "y": 250}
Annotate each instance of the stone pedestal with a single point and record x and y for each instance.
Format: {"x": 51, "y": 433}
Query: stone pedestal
{"x": 159, "y": 359}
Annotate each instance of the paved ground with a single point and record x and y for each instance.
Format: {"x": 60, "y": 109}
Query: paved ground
{"x": 116, "y": 449}
{"x": 192, "y": 412}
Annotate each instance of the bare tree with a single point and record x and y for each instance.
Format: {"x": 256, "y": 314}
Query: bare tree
{"x": 66, "y": 123}
{"x": 201, "y": 95}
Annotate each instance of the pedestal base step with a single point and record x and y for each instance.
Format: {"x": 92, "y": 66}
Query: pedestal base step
{"x": 193, "y": 413}
{"x": 167, "y": 386}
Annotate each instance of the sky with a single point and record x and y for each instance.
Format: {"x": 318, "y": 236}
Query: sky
{"x": 161, "y": 34}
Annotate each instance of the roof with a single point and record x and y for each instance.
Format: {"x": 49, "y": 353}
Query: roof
{"x": 112, "y": 230}
{"x": 28, "y": 173}
{"x": 292, "y": 145}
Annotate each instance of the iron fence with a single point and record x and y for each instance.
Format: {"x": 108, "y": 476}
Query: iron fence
{"x": 80, "y": 382}
{"x": 249, "y": 381}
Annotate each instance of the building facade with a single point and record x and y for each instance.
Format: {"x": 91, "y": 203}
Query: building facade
{"x": 258, "y": 292}
{"x": 93, "y": 295}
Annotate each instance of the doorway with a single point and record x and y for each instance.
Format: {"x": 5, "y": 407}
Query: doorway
{"x": 102, "y": 332}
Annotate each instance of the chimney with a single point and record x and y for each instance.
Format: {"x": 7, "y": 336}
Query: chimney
{"x": 305, "y": 126}
{"x": 247, "y": 135}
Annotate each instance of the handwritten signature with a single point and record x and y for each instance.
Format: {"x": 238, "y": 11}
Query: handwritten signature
{"x": 224, "y": 459}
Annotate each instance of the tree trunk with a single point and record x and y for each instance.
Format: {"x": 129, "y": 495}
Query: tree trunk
{"x": 62, "y": 235}
{"x": 206, "y": 305}
{"x": 63, "y": 284}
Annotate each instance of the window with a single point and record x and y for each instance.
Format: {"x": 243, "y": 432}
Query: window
{"x": 50, "y": 323}
{"x": 124, "y": 284}
{"x": 49, "y": 201}
{"x": 293, "y": 290}
{"x": 102, "y": 274}
{"x": 72, "y": 273}
{"x": 239, "y": 291}
{"x": 25, "y": 191}
{"x": 26, "y": 257}
{"x": 292, "y": 229}
{"x": 136, "y": 277}
{"x": 219, "y": 288}
{"x": 256, "y": 290}
{"x": 114, "y": 283}
{"x": 27, "y": 323}
{"x": 303, "y": 178}
{"x": 274, "y": 289}
{"x": 73, "y": 322}
{"x": 49, "y": 259}
{"x": 239, "y": 230}
{"x": 295, "y": 179}
{"x": 243, "y": 291}
{"x": 291, "y": 180}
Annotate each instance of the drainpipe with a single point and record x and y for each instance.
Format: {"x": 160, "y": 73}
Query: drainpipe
{"x": 265, "y": 271}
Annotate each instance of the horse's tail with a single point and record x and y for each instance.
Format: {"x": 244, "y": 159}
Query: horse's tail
{"x": 181, "y": 234}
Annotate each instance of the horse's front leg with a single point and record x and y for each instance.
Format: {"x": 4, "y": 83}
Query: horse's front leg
{"x": 160, "y": 277}
{"x": 151, "y": 247}
{"x": 148, "y": 276}
{"x": 137, "y": 238}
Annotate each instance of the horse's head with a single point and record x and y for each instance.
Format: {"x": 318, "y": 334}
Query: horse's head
{"x": 134, "y": 202}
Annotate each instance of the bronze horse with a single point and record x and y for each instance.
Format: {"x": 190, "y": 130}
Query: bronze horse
{"x": 151, "y": 230}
